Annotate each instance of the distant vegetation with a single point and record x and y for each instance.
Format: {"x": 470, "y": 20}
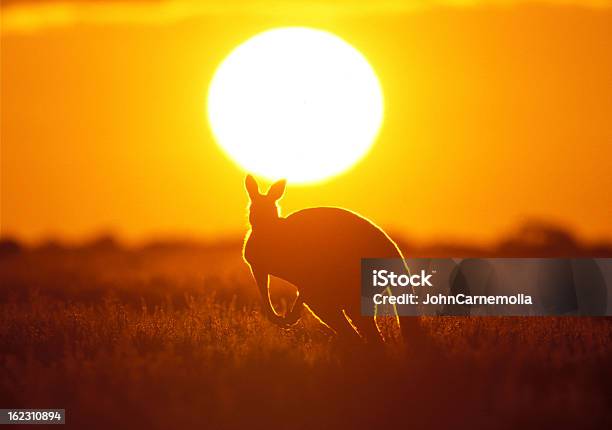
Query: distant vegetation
{"x": 169, "y": 335}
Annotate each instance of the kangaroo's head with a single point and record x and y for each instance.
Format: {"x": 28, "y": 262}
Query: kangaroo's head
{"x": 263, "y": 210}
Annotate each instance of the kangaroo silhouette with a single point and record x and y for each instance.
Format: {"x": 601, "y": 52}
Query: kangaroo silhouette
{"x": 319, "y": 251}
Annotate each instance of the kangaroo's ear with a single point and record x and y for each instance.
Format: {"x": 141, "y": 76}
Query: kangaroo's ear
{"x": 251, "y": 186}
{"x": 277, "y": 189}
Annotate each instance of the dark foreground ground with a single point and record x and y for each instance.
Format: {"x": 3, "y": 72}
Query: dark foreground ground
{"x": 170, "y": 336}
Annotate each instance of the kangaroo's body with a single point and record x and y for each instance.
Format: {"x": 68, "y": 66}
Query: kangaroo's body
{"x": 319, "y": 250}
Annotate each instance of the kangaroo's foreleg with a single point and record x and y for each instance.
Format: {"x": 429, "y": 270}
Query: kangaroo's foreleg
{"x": 263, "y": 279}
{"x": 294, "y": 315}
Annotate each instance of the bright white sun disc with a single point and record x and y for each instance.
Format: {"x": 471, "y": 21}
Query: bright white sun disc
{"x": 295, "y": 103}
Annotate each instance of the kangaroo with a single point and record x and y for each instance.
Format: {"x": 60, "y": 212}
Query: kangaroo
{"x": 319, "y": 251}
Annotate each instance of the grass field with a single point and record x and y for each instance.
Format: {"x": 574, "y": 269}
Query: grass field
{"x": 171, "y": 337}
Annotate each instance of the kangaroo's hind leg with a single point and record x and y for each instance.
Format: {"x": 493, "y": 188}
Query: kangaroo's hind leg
{"x": 368, "y": 328}
{"x": 335, "y": 319}
{"x": 366, "y": 325}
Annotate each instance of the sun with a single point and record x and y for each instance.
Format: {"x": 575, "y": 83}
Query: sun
{"x": 295, "y": 103}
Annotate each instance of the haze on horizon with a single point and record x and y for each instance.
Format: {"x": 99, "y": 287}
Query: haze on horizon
{"x": 493, "y": 114}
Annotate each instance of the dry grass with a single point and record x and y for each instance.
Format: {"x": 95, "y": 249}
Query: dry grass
{"x": 171, "y": 340}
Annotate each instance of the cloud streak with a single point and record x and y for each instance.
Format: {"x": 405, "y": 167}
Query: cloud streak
{"x": 20, "y": 16}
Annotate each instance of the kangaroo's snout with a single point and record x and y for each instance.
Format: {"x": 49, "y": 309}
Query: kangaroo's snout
{"x": 263, "y": 208}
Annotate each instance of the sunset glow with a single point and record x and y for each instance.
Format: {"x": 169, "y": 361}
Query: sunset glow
{"x": 487, "y": 108}
{"x": 295, "y": 103}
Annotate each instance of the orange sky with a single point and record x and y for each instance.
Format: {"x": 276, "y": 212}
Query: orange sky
{"x": 494, "y": 114}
